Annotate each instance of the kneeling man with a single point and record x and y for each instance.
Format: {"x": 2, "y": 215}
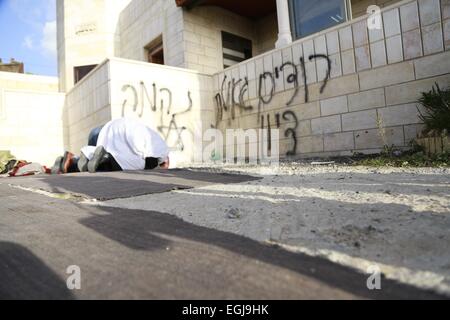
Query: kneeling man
{"x": 122, "y": 144}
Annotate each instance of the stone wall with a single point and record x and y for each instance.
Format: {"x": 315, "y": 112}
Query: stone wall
{"x": 192, "y": 38}
{"x": 31, "y": 117}
{"x": 203, "y": 38}
{"x": 363, "y": 99}
{"x": 87, "y": 106}
{"x": 174, "y": 102}
{"x": 87, "y": 33}
{"x": 359, "y": 7}
{"x": 143, "y": 21}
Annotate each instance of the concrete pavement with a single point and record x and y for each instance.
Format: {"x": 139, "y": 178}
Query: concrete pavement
{"x": 149, "y": 254}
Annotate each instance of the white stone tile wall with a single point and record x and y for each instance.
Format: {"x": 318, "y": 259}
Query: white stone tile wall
{"x": 31, "y": 117}
{"x": 375, "y": 80}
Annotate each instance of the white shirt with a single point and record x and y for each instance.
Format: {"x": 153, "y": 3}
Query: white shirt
{"x": 130, "y": 141}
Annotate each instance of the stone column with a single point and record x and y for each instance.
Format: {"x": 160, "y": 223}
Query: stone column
{"x": 284, "y": 25}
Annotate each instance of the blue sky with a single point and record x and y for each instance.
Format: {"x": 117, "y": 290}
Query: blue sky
{"x": 28, "y": 34}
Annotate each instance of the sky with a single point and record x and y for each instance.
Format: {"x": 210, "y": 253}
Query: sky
{"x": 28, "y": 34}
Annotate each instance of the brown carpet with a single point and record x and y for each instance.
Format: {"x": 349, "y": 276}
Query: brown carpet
{"x": 113, "y": 185}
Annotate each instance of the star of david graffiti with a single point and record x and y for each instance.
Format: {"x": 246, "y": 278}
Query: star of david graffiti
{"x": 166, "y": 131}
{"x": 173, "y": 127}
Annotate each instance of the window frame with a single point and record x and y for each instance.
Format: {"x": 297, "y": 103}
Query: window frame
{"x": 156, "y": 46}
{"x": 232, "y": 53}
{"x": 77, "y": 69}
{"x": 295, "y": 36}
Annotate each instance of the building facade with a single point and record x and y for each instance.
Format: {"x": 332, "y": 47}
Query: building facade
{"x": 12, "y": 66}
{"x": 336, "y": 77}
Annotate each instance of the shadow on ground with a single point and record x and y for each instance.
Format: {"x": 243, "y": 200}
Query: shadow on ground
{"x": 150, "y": 231}
{"x": 24, "y": 274}
{"x": 400, "y": 220}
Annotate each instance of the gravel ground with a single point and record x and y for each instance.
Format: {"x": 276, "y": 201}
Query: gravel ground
{"x": 395, "y": 218}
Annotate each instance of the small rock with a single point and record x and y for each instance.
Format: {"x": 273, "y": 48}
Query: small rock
{"x": 357, "y": 244}
{"x": 233, "y": 213}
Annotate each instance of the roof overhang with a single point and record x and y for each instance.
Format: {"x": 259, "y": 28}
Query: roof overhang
{"x": 252, "y": 9}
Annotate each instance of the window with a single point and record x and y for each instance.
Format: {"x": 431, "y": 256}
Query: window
{"x": 155, "y": 51}
{"x": 235, "y": 49}
{"x": 82, "y": 71}
{"x": 311, "y": 16}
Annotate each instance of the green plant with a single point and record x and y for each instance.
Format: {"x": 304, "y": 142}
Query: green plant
{"x": 408, "y": 159}
{"x": 415, "y": 147}
{"x": 436, "y": 109}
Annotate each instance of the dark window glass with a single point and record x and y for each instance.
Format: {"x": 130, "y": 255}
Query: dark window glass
{"x": 235, "y": 49}
{"x": 82, "y": 71}
{"x": 311, "y": 16}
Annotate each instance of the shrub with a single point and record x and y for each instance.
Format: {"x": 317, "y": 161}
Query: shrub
{"x": 436, "y": 109}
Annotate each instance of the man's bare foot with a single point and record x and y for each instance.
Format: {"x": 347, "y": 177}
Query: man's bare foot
{"x": 67, "y": 161}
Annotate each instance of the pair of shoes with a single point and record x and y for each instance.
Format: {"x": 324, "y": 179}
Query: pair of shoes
{"x": 63, "y": 163}
{"x": 100, "y": 156}
{"x": 83, "y": 163}
{"x": 56, "y": 169}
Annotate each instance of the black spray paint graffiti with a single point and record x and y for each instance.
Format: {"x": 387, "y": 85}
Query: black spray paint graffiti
{"x": 290, "y": 118}
{"x": 327, "y": 76}
{"x": 166, "y": 130}
{"x": 291, "y": 78}
{"x": 225, "y": 99}
{"x": 291, "y": 131}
